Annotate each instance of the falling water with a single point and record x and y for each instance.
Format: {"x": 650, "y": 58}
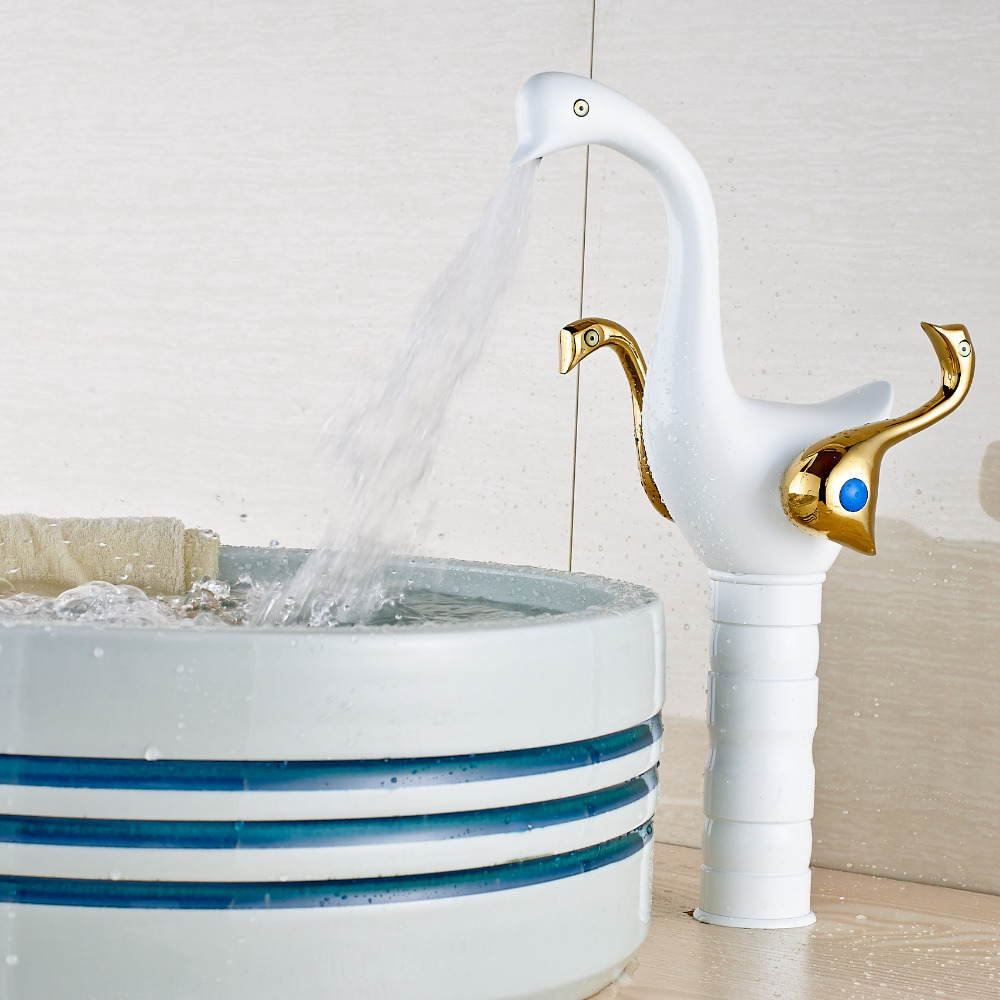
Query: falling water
{"x": 387, "y": 449}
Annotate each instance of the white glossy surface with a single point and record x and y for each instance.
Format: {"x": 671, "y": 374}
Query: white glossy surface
{"x": 856, "y": 196}
{"x": 274, "y": 694}
{"x": 561, "y": 940}
{"x": 759, "y": 787}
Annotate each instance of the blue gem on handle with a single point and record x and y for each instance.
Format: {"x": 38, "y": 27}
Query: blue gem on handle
{"x": 853, "y": 495}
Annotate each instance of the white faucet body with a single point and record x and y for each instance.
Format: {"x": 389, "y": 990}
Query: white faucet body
{"x": 718, "y": 459}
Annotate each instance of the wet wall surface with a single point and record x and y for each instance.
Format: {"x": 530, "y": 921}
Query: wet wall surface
{"x": 907, "y": 749}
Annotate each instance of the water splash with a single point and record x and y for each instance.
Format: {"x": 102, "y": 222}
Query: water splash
{"x": 387, "y": 449}
{"x": 212, "y": 603}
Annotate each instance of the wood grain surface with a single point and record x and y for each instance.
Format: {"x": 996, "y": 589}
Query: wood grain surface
{"x": 873, "y": 938}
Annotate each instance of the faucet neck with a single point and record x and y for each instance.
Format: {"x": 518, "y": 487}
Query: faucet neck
{"x": 687, "y": 361}
{"x": 559, "y": 111}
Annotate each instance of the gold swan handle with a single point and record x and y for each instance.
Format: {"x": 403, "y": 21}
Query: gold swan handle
{"x": 831, "y": 488}
{"x": 576, "y": 341}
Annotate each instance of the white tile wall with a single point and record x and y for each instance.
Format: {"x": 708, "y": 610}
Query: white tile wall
{"x": 217, "y": 221}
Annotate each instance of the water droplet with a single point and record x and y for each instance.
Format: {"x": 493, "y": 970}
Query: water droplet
{"x": 12, "y": 959}
{"x": 98, "y": 652}
{"x": 152, "y": 753}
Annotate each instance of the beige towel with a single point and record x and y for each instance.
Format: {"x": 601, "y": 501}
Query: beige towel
{"x": 47, "y": 555}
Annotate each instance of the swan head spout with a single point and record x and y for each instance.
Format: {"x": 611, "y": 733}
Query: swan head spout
{"x": 557, "y": 111}
{"x": 548, "y": 112}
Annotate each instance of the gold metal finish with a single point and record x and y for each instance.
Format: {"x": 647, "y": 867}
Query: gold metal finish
{"x": 576, "y": 341}
{"x": 844, "y": 468}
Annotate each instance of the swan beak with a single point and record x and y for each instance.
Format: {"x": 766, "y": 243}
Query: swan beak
{"x": 549, "y": 111}
{"x": 583, "y": 337}
{"x": 531, "y": 112}
{"x": 832, "y": 487}
{"x": 572, "y": 344}
{"x": 568, "y": 354}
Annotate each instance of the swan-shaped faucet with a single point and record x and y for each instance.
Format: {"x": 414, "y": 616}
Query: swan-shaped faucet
{"x": 765, "y": 492}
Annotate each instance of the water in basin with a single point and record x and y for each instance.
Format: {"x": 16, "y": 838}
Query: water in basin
{"x": 219, "y": 603}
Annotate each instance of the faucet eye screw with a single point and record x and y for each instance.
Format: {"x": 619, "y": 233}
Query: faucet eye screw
{"x": 965, "y": 348}
{"x": 591, "y": 337}
{"x": 580, "y": 108}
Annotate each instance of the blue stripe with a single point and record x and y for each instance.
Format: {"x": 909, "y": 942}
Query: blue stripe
{"x": 341, "y": 892}
{"x": 256, "y": 834}
{"x": 310, "y": 775}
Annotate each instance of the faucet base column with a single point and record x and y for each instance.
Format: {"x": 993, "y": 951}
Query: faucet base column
{"x": 759, "y": 777}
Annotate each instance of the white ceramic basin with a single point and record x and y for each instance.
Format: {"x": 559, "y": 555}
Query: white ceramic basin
{"x": 447, "y": 811}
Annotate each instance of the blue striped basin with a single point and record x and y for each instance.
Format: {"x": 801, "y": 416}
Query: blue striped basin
{"x": 279, "y": 812}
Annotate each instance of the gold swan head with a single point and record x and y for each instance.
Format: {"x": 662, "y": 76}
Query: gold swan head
{"x": 578, "y": 340}
{"x": 832, "y": 487}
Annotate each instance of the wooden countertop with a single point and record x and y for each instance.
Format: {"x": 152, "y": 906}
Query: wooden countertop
{"x": 873, "y": 937}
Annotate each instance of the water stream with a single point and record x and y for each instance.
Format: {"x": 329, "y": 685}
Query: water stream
{"x": 387, "y": 449}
